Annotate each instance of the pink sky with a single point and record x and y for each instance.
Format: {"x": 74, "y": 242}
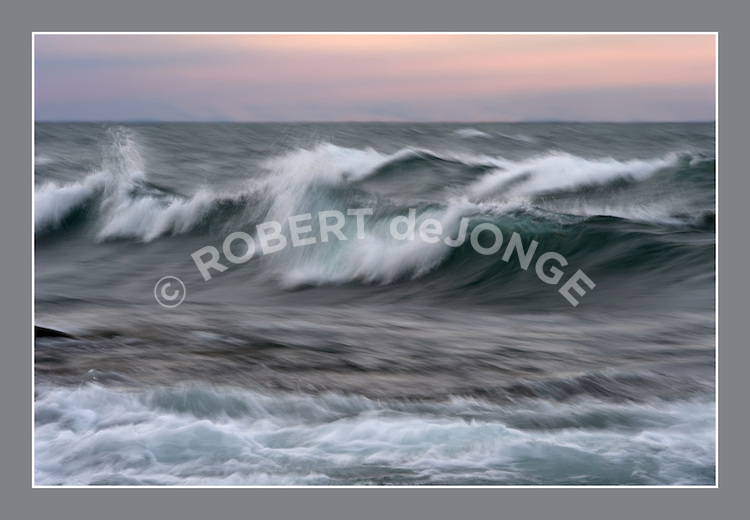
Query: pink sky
{"x": 337, "y": 77}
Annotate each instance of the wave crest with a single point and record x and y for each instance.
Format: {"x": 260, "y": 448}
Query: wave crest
{"x": 555, "y": 172}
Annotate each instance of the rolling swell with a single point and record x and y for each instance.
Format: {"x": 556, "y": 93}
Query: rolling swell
{"x": 605, "y": 216}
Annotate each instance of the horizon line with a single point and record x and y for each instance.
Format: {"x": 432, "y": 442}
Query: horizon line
{"x": 369, "y": 121}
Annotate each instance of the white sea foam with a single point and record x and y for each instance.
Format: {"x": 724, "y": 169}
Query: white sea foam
{"x": 123, "y": 206}
{"x": 376, "y": 258}
{"x": 203, "y": 436}
{"x": 559, "y": 172}
{"x": 148, "y": 217}
{"x": 470, "y": 132}
{"x": 53, "y": 202}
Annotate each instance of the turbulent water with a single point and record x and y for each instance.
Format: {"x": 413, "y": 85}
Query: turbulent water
{"x": 470, "y": 304}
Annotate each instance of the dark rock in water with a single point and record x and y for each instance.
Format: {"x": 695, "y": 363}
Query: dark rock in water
{"x": 43, "y": 332}
{"x": 709, "y": 220}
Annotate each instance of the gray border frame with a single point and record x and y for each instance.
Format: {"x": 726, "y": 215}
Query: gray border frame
{"x": 20, "y": 501}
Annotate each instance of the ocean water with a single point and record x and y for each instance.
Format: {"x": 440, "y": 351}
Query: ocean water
{"x": 408, "y": 325}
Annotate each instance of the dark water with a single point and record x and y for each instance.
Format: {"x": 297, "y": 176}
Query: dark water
{"x": 365, "y": 359}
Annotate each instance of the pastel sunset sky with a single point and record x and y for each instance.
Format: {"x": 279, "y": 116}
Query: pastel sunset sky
{"x": 375, "y": 77}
